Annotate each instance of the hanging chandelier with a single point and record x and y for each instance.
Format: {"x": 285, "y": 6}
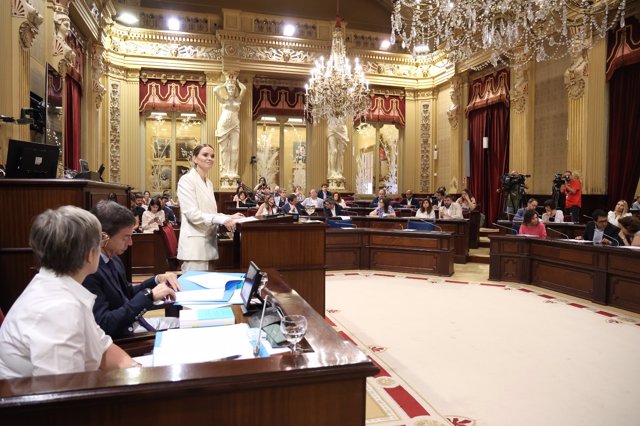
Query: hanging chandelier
{"x": 337, "y": 91}
{"x": 510, "y": 31}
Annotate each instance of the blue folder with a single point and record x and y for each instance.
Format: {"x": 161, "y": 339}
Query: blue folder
{"x": 186, "y": 284}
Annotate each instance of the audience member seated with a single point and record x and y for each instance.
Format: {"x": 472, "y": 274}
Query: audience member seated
{"x": 450, "y": 209}
{"x": 381, "y": 194}
{"x": 278, "y": 197}
{"x": 299, "y": 194}
{"x": 532, "y": 204}
{"x": 169, "y": 215}
{"x": 438, "y": 199}
{"x": 467, "y": 201}
{"x": 532, "y": 225}
{"x": 312, "y": 200}
{"x": 600, "y": 231}
{"x": 621, "y": 210}
{"x": 153, "y": 218}
{"x": 636, "y": 203}
{"x": 384, "y": 209}
{"x": 269, "y": 207}
{"x": 409, "y": 200}
{"x": 292, "y": 206}
{"x": 630, "y": 230}
{"x": 324, "y": 192}
{"x": 119, "y": 306}
{"x": 138, "y": 210}
{"x": 50, "y": 328}
{"x": 332, "y": 209}
{"x": 243, "y": 200}
{"x": 426, "y": 210}
{"x": 551, "y": 213}
{"x": 170, "y": 201}
{"x": 338, "y": 200}
{"x": 146, "y": 199}
{"x": 261, "y": 191}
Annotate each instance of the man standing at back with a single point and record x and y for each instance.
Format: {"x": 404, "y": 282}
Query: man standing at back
{"x": 573, "y": 189}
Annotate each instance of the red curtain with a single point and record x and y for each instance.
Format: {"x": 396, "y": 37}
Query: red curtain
{"x": 172, "y": 95}
{"x": 386, "y": 109}
{"x": 488, "y": 112}
{"x": 624, "y": 128}
{"x": 72, "y": 119}
{"x": 278, "y": 101}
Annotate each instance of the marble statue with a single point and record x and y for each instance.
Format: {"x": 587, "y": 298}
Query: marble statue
{"x": 230, "y": 96}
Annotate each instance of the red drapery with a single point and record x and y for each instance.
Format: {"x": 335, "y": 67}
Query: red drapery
{"x": 488, "y": 112}
{"x": 623, "y": 47}
{"x": 72, "y": 120}
{"x": 387, "y": 109}
{"x": 624, "y": 128}
{"x": 270, "y": 100}
{"x": 172, "y": 95}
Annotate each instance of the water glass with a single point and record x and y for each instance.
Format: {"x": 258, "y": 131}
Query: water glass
{"x": 293, "y": 328}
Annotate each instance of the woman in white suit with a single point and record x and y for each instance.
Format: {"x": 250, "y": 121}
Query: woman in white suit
{"x": 198, "y": 242}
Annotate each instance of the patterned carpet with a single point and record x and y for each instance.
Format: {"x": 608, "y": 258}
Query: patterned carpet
{"x": 454, "y": 352}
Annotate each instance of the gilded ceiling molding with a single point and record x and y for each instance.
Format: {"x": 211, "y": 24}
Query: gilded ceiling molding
{"x": 97, "y": 67}
{"x": 165, "y": 50}
{"x": 388, "y": 91}
{"x": 114, "y": 133}
{"x": 453, "y": 114}
{"x": 396, "y": 70}
{"x": 116, "y": 71}
{"x": 30, "y": 28}
{"x": 425, "y": 147}
{"x": 165, "y": 76}
{"x": 262, "y": 53}
{"x": 141, "y": 34}
{"x": 575, "y": 77}
{"x": 520, "y": 91}
{"x": 273, "y": 82}
{"x": 426, "y": 94}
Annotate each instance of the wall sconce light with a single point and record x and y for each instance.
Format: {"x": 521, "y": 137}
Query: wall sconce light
{"x": 485, "y": 142}
{"x": 435, "y": 152}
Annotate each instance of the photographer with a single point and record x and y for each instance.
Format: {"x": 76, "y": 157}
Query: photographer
{"x": 573, "y": 190}
{"x": 513, "y": 187}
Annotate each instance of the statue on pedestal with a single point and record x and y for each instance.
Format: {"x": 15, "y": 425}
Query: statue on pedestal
{"x": 230, "y": 96}
{"x": 337, "y": 141}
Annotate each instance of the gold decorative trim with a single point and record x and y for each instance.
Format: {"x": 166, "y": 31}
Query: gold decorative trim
{"x": 425, "y": 147}
{"x": 97, "y": 67}
{"x": 166, "y": 50}
{"x": 278, "y": 55}
{"x": 262, "y": 81}
{"x": 453, "y": 113}
{"x": 520, "y": 91}
{"x": 165, "y": 76}
{"x": 30, "y": 28}
{"x": 114, "y": 133}
{"x": 575, "y": 77}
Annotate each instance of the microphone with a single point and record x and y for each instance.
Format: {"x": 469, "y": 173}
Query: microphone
{"x": 611, "y": 239}
{"x": 558, "y": 232}
{"x": 511, "y": 230}
{"x": 434, "y": 224}
{"x": 256, "y": 348}
{"x": 588, "y": 217}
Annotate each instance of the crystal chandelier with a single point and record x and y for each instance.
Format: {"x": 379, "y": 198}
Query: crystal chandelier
{"x": 511, "y": 31}
{"x": 335, "y": 90}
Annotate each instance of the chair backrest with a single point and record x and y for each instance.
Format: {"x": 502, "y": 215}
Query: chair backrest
{"x": 515, "y": 228}
{"x": 340, "y": 223}
{"x": 170, "y": 240}
{"x": 421, "y": 226}
{"x": 1, "y": 317}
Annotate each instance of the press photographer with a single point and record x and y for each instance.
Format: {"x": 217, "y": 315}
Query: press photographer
{"x": 573, "y": 190}
{"x": 513, "y": 187}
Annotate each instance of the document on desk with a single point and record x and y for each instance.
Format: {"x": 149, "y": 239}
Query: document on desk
{"x": 191, "y": 345}
{"x": 245, "y": 219}
{"x": 214, "y": 280}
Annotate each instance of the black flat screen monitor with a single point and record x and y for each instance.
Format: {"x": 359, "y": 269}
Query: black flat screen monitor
{"x": 250, "y": 286}
{"x": 32, "y": 160}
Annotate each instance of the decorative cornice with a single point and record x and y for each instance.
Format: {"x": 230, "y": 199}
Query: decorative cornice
{"x": 116, "y": 71}
{"x": 575, "y": 77}
{"x": 262, "y": 81}
{"x": 165, "y": 76}
{"x": 520, "y": 90}
{"x": 388, "y": 91}
{"x": 166, "y": 50}
{"x": 278, "y": 55}
{"x": 31, "y": 26}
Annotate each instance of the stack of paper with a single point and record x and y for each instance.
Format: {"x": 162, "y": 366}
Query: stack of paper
{"x": 207, "y": 288}
{"x": 190, "y": 318}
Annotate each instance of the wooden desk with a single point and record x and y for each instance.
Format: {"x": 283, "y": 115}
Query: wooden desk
{"x": 390, "y": 250}
{"x": 554, "y": 230}
{"x": 323, "y": 387}
{"x": 458, "y": 227}
{"x": 602, "y": 274}
{"x": 27, "y": 198}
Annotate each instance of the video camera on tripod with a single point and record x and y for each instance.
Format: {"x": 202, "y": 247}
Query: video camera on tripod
{"x": 558, "y": 180}
{"x": 512, "y": 182}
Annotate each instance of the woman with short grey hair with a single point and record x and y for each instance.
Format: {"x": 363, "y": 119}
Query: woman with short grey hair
{"x": 50, "y": 328}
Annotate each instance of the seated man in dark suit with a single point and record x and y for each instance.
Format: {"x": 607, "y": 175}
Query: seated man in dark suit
{"x": 292, "y": 206}
{"x": 532, "y": 204}
{"x": 332, "y": 209}
{"x": 381, "y": 195}
{"x": 324, "y": 192}
{"x": 168, "y": 212}
{"x": 119, "y": 306}
{"x": 409, "y": 201}
{"x": 600, "y": 231}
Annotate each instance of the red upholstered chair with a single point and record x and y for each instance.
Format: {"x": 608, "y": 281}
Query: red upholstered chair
{"x": 171, "y": 246}
{"x": 1, "y": 317}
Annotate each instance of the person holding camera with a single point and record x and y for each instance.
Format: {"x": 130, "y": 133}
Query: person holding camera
{"x": 573, "y": 190}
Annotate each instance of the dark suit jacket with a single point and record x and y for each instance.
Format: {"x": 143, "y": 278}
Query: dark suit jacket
{"x": 168, "y": 214}
{"x": 413, "y": 203}
{"x": 374, "y": 202}
{"x": 610, "y": 231}
{"x": 339, "y": 211}
{"x": 287, "y": 209}
{"x": 324, "y": 195}
{"x": 118, "y": 303}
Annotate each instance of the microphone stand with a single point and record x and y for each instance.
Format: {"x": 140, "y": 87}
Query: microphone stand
{"x": 558, "y": 232}
{"x": 511, "y": 230}
{"x": 611, "y": 239}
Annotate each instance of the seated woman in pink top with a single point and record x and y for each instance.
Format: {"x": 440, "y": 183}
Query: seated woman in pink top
{"x": 533, "y": 226}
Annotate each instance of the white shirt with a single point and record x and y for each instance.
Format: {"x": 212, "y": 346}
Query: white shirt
{"x": 311, "y": 202}
{"x": 50, "y": 329}
{"x": 611, "y": 217}
{"x": 426, "y": 215}
{"x": 454, "y": 211}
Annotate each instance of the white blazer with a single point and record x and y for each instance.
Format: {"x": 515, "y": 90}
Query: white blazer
{"x": 200, "y": 219}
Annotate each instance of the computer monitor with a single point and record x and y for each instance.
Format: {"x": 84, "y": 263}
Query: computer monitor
{"x": 30, "y": 160}
{"x": 250, "y": 286}
{"x": 84, "y": 166}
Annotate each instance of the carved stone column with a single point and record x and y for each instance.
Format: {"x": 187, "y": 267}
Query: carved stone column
{"x": 457, "y": 122}
{"x": 62, "y": 56}
{"x": 522, "y": 121}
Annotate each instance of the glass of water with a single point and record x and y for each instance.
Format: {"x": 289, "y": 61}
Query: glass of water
{"x": 293, "y": 328}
